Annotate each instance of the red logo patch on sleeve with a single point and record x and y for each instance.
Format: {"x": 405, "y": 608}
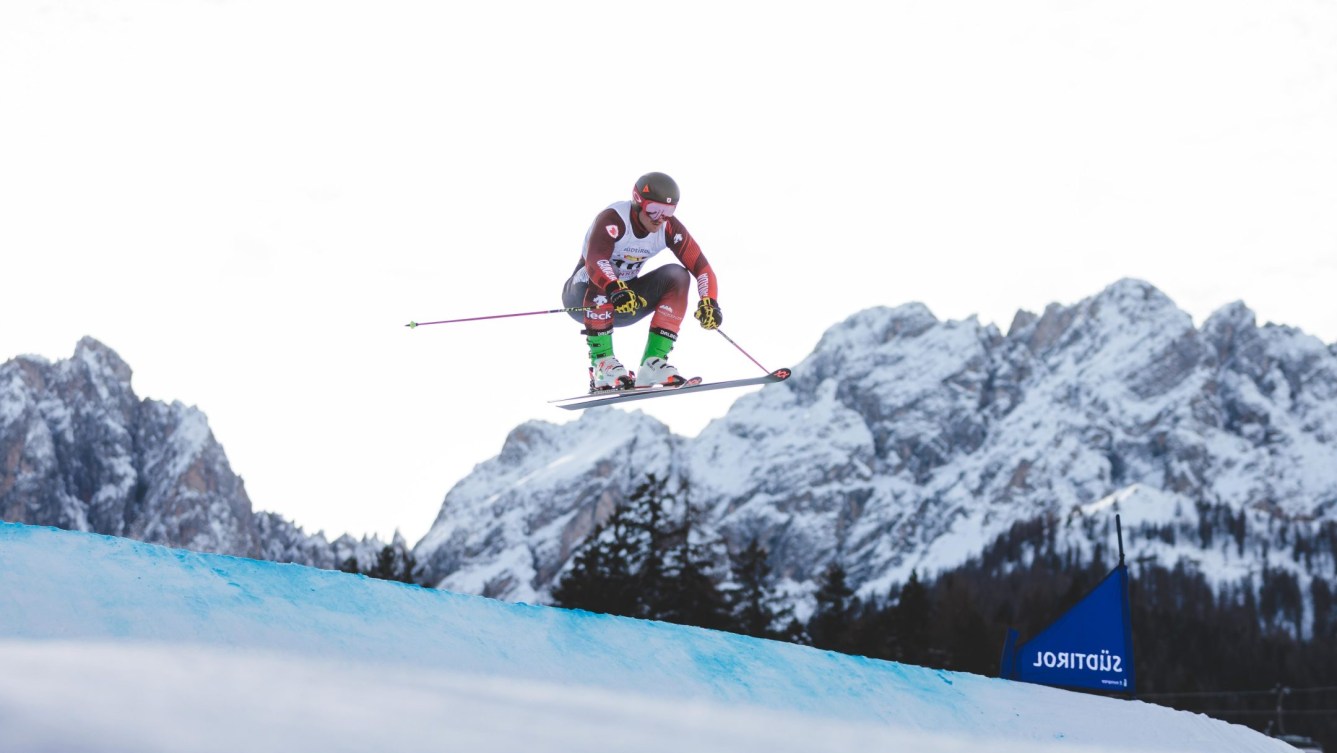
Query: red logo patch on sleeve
{"x": 612, "y": 231}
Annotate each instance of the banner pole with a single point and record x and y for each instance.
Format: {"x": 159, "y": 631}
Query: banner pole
{"x": 1118, "y": 527}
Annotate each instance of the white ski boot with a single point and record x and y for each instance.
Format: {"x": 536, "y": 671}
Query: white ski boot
{"x": 658, "y": 372}
{"x": 609, "y": 374}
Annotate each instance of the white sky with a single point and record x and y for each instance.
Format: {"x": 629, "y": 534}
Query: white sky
{"x": 248, "y": 199}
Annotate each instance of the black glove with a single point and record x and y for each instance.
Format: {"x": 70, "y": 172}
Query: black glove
{"x": 709, "y": 314}
{"x": 623, "y": 298}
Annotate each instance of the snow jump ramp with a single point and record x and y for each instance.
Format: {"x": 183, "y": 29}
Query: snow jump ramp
{"x": 109, "y": 644}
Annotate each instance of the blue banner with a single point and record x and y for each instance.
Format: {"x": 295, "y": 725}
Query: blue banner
{"x": 1090, "y": 646}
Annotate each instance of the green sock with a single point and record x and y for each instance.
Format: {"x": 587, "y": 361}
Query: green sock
{"x": 601, "y": 345}
{"x": 657, "y": 346}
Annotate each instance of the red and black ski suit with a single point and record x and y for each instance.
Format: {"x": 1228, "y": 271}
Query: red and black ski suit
{"x": 614, "y": 250}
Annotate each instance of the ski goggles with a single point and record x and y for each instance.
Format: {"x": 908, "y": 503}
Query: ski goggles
{"x": 657, "y": 211}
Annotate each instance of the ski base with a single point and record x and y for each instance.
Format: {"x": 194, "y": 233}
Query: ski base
{"x": 694, "y": 384}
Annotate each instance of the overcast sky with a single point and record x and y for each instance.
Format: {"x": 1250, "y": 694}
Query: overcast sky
{"x": 248, "y": 199}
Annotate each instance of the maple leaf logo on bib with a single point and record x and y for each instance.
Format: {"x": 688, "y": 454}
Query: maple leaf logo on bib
{"x": 612, "y": 231}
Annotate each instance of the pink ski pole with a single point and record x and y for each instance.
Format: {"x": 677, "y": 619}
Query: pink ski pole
{"x": 414, "y": 325}
{"x": 740, "y": 350}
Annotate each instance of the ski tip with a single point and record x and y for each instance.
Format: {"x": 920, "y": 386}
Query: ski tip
{"x": 781, "y": 374}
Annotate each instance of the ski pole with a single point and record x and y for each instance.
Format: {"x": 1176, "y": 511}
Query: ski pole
{"x": 413, "y": 325}
{"x": 740, "y": 350}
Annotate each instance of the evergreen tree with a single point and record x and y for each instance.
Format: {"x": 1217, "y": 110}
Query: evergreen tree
{"x": 693, "y": 596}
{"x": 653, "y": 536}
{"x": 874, "y": 632}
{"x": 1325, "y": 615}
{"x": 911, "y": 619}
{"x": 755, "y": 609}
{"x": 603, "y": 575}
{"x": 393, "y": 562}
{"x": 639, "y": 564}
{"x": 831, "y": 624}
{"x": 960, "y": 628}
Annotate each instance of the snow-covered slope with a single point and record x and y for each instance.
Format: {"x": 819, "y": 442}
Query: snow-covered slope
{"x": 79, "y": 450}
{"x": 904, "y": 442}
{"x": 110, "y": 644}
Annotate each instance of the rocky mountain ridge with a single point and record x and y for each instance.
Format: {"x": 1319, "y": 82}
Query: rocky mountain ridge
{"x": 79, "y": 450}
{"x": 906, "y": 443}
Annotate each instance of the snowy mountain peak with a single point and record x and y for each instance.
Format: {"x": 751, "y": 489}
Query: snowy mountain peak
{"x": 1129, "y": 319}
{"x": 579, "y": 471}
{"x": 83, "y": 452}
{"x": 101, "y": 362}
{"x": 79, "y": 450}
{"x": 876, "y": 326}
{"x": 904, "y": 442}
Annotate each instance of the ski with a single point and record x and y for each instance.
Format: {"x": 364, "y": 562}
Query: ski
{"x": 644, "y": 393}
{"x": 628, "y": 391}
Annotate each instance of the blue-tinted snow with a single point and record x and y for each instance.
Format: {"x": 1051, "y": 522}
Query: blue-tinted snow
{"x": 112, "y": 644}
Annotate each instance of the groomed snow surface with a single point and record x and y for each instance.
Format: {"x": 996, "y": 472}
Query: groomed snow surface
{"x": 109, "y": 644}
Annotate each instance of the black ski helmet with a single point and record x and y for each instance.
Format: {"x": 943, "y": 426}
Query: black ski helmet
{"x": 656, "y": 187}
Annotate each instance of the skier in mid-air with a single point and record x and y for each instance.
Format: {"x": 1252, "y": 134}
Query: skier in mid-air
{"x": 619, "y": 242}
